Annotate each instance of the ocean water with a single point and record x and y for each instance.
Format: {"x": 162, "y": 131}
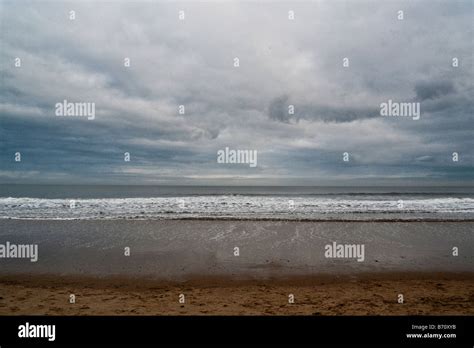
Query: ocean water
{"x": 243, "y": 203}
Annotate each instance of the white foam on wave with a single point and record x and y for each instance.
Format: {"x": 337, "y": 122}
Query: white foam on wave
{"x": 225, "y": 206}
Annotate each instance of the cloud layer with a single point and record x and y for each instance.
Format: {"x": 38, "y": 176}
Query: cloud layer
{"x": 283, "y": 62}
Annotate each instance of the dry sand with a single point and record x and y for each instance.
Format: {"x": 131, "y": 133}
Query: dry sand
{"x": 369, "y": 294}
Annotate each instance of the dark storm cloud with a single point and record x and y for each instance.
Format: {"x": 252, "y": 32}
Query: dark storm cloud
{"x": 433, "y": 90}
{"x": 278, "y": 111}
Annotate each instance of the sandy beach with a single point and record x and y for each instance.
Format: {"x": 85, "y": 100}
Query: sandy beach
{"x": 369, "y": 294}
{"x": 276, "y": 259}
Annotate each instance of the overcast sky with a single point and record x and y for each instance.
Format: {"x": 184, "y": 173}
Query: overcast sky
{"x": 190, "y": 62}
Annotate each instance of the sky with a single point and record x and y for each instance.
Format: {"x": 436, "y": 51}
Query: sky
{"x": 282, "y": 62}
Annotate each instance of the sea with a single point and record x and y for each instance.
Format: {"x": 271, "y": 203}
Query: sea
{"x": 97, "y": 202}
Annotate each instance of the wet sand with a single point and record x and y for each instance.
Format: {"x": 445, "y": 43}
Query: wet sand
{"x": 178, "y": 249}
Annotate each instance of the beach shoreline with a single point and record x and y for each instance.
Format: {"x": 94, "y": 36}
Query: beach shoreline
{"x": 252, "y": 219}
{"x": 177, "y": 249}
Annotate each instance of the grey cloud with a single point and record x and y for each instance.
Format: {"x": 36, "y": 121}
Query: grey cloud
{"x": 190, "y": 63}
{"x": 278, "y": 111}
{"x": 424, "y": 158}
{"x": 433, "y": 90}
